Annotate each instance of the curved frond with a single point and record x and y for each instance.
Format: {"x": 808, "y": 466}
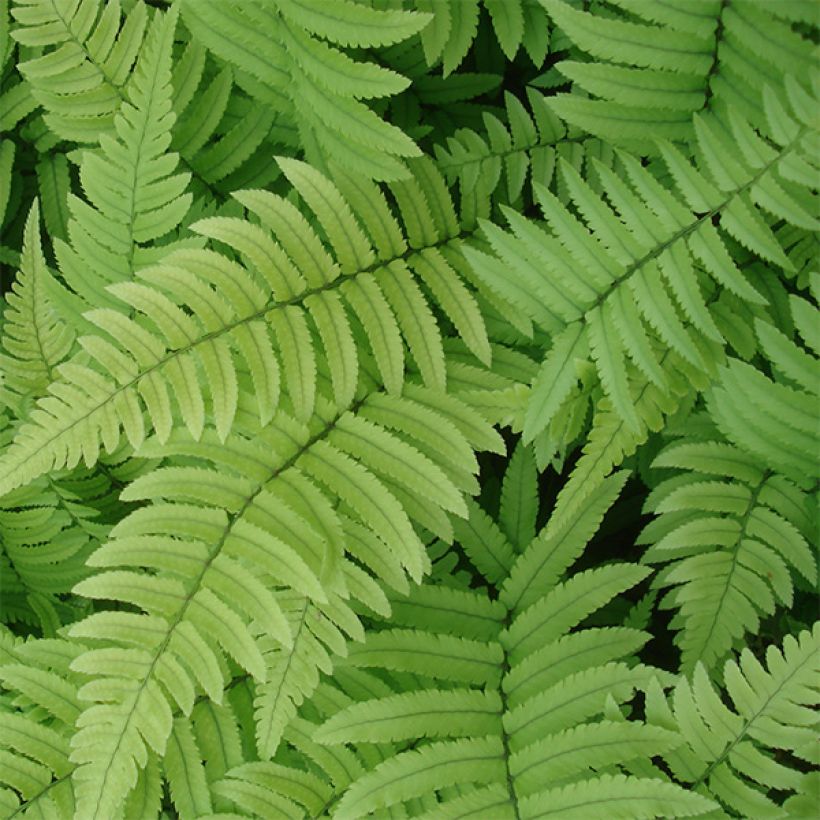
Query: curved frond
{"x": 521, "y": 712}
{"x": 610, "y": 295}
{"x": 189, "y": 323}
{"x": 34, "y": 339}
{"x": 207, "y": 563}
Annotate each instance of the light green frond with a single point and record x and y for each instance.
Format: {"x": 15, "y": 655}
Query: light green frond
{"x": 184, "y": 772}
{"x": 619, "y": 302}
{"x": 198, "y": 312}
{"x": 38, "y": 714}
{"x": 437, "y": 656}
{"x": 728, "y": 548}
{"x": 292, "y": 673}
{"x": 519, "y": 497}
{"x": 82, "y": 76}
{"x": 54, "y": 184}
{"x": 728, "y": 749}
{"x": 445, "y": 609}
{"x": 485, "y": 543}
{"x": 293, "y": 52}
{"x": 35, "y": 339}
{"x": 566, "y": 605}
{"x": 207, "y": 554}
{"x": 133, "y": 195}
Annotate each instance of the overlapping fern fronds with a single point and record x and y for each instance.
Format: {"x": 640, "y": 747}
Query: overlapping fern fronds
{"x": 408, "y": 409}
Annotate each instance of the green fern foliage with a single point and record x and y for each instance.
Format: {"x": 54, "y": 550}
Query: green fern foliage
{"x": 527, "y": 698}
{"x": 199, "y": 309}
{"x": 290, "y": 56}
{"x": 731, "y": 534}
{"x": 35, "y": 338}
{"x": 89, "y": 51}
{"x": 133, "y": 196}
{"x": 408, "y": 409}
{"x": 607, "y": 295}
{"x": 653, "y": 66}
{"x": 728, "y": 751}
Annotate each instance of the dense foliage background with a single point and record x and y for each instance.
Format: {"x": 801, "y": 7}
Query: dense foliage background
{"x": 408, "y": 408}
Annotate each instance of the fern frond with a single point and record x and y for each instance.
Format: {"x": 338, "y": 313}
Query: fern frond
{"x": 40, "y": 705}
{"x": 505, "y": 156}
{"x": 728, "y": 751}
{"x": 34, "y": 338}
{"x": 608, "y": 295}
{"x": 264, "y": 500}
{"x": 201, "y": 312}
{"x": 82, "y": 78}
{"x": 525, "y": 695}
{"x": 653, "y": 66}
{"x": 134, "y": 196}
{"x": 732, "y": 540}
{"x": 775, "y": 419}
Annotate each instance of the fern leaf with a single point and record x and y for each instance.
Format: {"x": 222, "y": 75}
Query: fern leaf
{"x": 184, "y": 772}
{"x": 300, "y": 787}
{"x": 35, "y": 339}
{"x": 727, "y": 751}
{"x": 427, "y": 713}
{"x": 594, "y": 279}
{"x": 664, "y": 64}
{"x": 81, "y": 80}
{"x": 519, "y": 502}
{"x": 732, "y": 553}
{"x": 35, "y": 746}
{"x": 534, "y": 724}
{"x": 133, "y": 195}
{"x": 292, "y": 66}
{"x": 193, "y": 549}
{"x": 417, "y": 772}
{"x": 199, "y": 311}
{"x": 624, "y": 797}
